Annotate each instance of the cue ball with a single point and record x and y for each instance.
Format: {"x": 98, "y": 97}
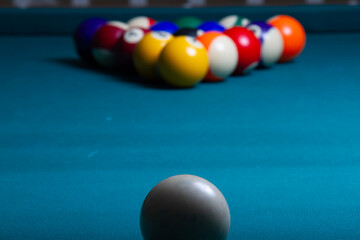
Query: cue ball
{"x": 272, "y": 44}
{"x": 185, "y": 207}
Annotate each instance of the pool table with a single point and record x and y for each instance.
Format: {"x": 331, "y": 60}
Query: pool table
{"x": 80, "y": 147}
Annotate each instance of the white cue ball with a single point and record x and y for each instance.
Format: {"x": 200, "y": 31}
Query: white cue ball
{"x": 185, "y": 207}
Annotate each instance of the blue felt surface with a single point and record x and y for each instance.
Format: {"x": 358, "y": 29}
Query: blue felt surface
{"x": 80, "y": 149}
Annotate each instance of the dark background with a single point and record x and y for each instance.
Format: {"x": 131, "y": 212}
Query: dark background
{"x": 159, "y": 3}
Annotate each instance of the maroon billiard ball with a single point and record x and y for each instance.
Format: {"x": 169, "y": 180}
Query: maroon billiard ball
{"x": 126, "y": 45}
{"x": 104, "y": 43}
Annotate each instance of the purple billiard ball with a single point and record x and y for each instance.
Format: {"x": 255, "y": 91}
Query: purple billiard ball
{"x": 83, "y": 36}
{"x": 185, "y": 207}
{"x": 272, "y": 44}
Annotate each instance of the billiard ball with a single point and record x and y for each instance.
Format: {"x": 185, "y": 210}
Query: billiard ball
{"x": 83, "y": 36}
{"x": 185, "y": 207}
{"x": 248, "y": 49}
{"x": 104, "y": 43}
{"x": 183, "y": 62}
{"x": 271, "y": 42}
{"x": 142, "y": 22}
{"x": 147, "y": 52}
{"x": 211, "y": 26}
{"x": 293, "y": 34}
{"x": 234, "y": 20}
{"x": 188, "y": 22}
{"x": 126, "y": 45}
{"x": 165, "y": 26}
{"x": 191, "y": 32}
{"x": 222, "y": 53}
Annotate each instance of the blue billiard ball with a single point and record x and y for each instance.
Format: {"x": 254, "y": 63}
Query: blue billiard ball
{"x": 271, "y": 42}
{"x": 211, "y": 26}
{"x": 165, "y": 26}
{"x": 83, "y": 36}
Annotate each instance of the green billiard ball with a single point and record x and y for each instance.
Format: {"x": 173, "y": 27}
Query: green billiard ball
{"x": 188, "y": 22}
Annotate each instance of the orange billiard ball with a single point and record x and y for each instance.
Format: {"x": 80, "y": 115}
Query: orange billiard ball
{"x": 222, "y": 53}
{"x": 293, "y": 34}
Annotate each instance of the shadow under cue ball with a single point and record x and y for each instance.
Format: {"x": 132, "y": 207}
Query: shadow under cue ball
{"x": 185, "y": 207}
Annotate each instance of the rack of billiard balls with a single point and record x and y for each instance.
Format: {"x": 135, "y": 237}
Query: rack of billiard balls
{"x": 188, "y": 51}
{"x": 183, "y": 54}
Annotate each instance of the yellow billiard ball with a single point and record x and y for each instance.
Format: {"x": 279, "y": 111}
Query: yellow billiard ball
{"x": 183, "y": 62}
{"x": 147, "y": 52}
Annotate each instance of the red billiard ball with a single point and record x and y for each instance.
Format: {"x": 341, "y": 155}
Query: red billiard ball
{"x": 248, "y": 49}
{"x": 104, "y": 43}
{"x": 127, "y": 43}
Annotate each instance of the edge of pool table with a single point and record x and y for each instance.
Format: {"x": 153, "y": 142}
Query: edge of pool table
{"x": 329, "y": 18}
